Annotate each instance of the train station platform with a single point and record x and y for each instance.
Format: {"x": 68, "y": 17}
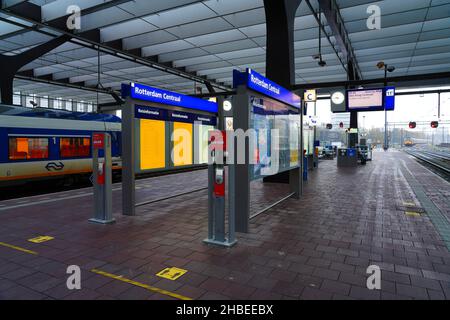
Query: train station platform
{"x": 393, "y": 213}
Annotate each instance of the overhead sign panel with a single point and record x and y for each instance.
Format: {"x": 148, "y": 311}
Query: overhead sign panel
{"x": 378, "y": 99}
{"x": 370, "y": 99}
{"x": 255, "y": 81}
{"x": 146, "y": 93}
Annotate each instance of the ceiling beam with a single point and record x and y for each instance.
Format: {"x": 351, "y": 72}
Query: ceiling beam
{"x": 322, "y": 27}
{"x": 64, "y": 83}
{"x": 445, "y": 76}
{"x": 92, "y": 41}
{"x": 331, "y": 11}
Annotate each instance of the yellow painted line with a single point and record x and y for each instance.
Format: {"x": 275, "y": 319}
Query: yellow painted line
{"x": 412, "y": 214}
{"x": 17, "y": 248}
{"x": 171, "y": 273}
{"x": 139, "y": 284}
{"x": 41, "y": 239}
{"x": 409, "y": 204}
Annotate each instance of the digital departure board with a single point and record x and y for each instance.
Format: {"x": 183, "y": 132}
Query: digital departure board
{"x": 365, "y": 100}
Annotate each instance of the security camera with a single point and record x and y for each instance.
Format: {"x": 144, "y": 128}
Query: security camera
{"x": 391, "y": 69}
{"x": 34, "y": 104}
{"x": 322, "y": 63}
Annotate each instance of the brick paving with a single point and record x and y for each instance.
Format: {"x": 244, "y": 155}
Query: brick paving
{"x": 316, "y": 248}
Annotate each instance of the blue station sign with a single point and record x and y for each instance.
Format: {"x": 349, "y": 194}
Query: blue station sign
{"x": 145, "y": 93}
{"x": 256, "y": 82}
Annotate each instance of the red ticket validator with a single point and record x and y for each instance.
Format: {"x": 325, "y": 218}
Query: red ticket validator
{"x": 101, "y": 174}
{"x": 217, "y": 140}
{"x": 98, "y": 140}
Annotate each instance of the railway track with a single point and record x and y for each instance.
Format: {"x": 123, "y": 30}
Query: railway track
{"x": 440, "y": 161}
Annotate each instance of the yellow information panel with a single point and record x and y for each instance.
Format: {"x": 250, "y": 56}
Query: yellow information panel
{"x": 152, "y": 144}
{"x": 171, "y": 273}
{"x": 182, "y": 144}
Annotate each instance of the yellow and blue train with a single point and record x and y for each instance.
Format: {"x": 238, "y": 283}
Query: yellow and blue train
{"x": 37, "y": 144}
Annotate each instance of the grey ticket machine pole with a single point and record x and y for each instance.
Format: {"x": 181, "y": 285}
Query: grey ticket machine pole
{"x": 102, "y": 178}
{"x": 216, "y": 193}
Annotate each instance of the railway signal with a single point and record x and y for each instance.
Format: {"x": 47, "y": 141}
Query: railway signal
{"x": 434, "y": 124}
{"x": 412, "y": 125}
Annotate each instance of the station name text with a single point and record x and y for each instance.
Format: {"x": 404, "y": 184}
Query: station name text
{"x": 264, "y": 84}
{"x": 156, "y": 94}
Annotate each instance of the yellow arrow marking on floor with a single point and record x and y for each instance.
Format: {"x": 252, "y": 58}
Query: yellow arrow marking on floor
{"x": 17, "y": 248}
{"x": 142, "y": 285}
{"x": 41, "y": 239}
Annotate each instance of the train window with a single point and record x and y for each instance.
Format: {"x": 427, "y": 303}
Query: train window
{"x": 75, "y": 147}
{"x": 28, "y": 148}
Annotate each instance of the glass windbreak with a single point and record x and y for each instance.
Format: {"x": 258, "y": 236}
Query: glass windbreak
{"x": 270, "y": 120}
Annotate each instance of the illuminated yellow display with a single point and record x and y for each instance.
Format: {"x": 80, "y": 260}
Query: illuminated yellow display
{"x": 182, "y": 144}
{"x": 152, "y": 144}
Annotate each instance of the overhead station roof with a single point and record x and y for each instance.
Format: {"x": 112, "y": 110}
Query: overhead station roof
{"x": 211, "y": 38}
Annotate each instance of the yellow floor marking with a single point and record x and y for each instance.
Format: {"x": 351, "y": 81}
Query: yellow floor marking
{"x": 171, "y": 273}
{"x": 41, "y": 239}
{"x": 139, "y": 284}
{"x": 412, "y": 214}
{"x": 17, "y": 248}
{"x": 409, "y": 204}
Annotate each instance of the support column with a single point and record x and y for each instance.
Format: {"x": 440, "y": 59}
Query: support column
{"x": 280, "y": 17}
{"x": 353, "y": 138}
{"x": 23, "y": 99}
{"x": 11, "y": 64}
{"x": 280, "y": 66}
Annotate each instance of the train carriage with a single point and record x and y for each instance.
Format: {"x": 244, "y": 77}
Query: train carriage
{"x": 37, "y": 144}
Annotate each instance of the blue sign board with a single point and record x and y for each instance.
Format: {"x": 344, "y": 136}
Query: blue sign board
{"x": 389, "y": 98}
{"x": 351, "y": 153}
{"x": 254, "y": 81}
{"x": 152, "y": 113}
{"x": 146, "y": 93}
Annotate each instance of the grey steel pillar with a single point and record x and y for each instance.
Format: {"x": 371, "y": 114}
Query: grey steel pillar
{"x": 102, "y": 181}
{"x": 302, "y": 145}
{"x": 241, "y": 171}
{"x": 295, "y": 175}
{"x": 128, "y": 156}
{"x": 352, "y": 137}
